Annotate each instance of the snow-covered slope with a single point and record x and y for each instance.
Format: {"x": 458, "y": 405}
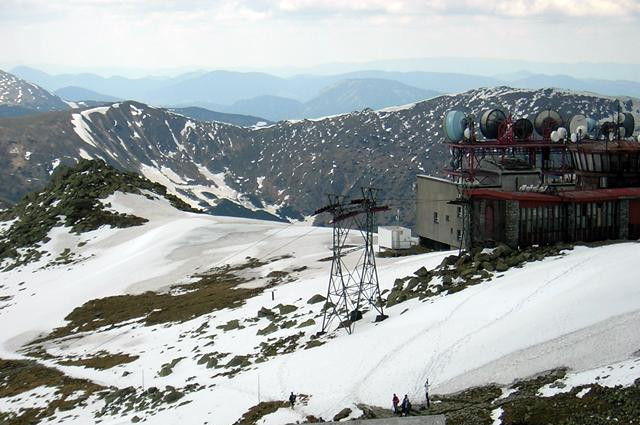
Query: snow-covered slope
{"x": 580, "y": 310}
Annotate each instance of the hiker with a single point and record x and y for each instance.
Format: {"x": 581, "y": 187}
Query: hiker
{"x": 292, "y": 399}
{"x": 406, "y": 406}
{"x": 395, "y": 402}
{"x": 426, "y": 391}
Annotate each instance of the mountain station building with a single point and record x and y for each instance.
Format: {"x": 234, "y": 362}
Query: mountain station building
{"x": 525, "y": 193}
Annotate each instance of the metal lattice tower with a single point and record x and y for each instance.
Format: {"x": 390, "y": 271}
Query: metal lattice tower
{"x": 351, "y": 289}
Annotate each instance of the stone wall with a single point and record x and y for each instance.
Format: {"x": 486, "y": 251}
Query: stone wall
{"x": 512, "y": 223}
{"x": 623, "y": 219}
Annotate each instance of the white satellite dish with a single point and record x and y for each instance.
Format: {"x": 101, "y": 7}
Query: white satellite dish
{"x": 574, "y": 137}
{"x": 562, "y": 132}
{"x": 581, "y": 131}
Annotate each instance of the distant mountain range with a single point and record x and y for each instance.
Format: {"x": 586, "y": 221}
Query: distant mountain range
{"x": 343, "y": 96}
{"x": 79, "y": 94}
{"x": 304, "y": 96}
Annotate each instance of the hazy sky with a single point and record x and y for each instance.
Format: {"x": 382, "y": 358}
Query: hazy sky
{"x": 163, "y": 34}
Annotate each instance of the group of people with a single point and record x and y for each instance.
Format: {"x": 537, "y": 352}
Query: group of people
{"x": 405, "y": 407}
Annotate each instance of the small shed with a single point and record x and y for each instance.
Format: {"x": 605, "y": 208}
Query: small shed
{"x": 394, "y": 237}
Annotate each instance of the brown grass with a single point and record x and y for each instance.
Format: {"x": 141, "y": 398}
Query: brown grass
{"x": 101, "y": 361}
{"x": 19, "y": 376}
{"x": 214, "y": 291}
{"x": 257, "y": 412}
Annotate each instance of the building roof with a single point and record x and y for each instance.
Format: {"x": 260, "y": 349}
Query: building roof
{"x": 564, "y": 196}
{"x": 392, "y": 228}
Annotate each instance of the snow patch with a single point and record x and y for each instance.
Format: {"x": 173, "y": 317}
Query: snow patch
{"x": 84, "y": 154}
{"x": 82, "y": 129}
{"x": 621, "y": 373}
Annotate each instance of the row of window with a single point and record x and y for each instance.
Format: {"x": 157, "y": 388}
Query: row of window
{"x": 436, "y": 218}
{"x": 592, "y": 221}
{"x": 602, "y": 162}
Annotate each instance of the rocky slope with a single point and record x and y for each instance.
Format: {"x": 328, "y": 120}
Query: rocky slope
{"x": 72, "y": 199}
{"x": 284, "y": 169}
{"x": 19, "y": 97}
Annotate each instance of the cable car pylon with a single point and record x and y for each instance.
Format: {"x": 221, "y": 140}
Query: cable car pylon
{"x": 351, "y": 290}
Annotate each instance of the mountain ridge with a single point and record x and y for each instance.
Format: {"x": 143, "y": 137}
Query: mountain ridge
{"x": 289, "y": 165}
{"x": 19, "y": 97}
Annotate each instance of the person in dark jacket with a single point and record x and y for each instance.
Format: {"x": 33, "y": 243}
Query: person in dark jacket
{"x": 426, "y": 391}
{"x": 292, "y": 399}
{"x": 396, "y": 401}
{"x": 406, "y": 406}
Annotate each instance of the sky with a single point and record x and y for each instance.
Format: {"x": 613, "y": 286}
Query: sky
{"x": 155, "y": 35}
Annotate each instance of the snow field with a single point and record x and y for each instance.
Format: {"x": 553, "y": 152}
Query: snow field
{"x": 546, "y": 314}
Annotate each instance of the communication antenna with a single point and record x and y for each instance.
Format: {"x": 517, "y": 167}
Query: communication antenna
{"x": 582, "y": 127}
{"x": 522, "y": 129}
{"x": 491, "y": 121}
{"x": 547, "y": 121}
{"x": 458, "y": 126}
{"x": 351, "y": 290}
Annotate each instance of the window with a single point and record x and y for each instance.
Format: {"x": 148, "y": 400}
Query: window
{"x": 435, "y": 217}
{"x": 458, "y": 234}
{"x": 446, "y": 218}
{"x": 459, "y": 212}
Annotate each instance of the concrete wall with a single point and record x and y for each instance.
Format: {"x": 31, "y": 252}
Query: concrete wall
{"x": 511, "y": 181}
{"x": 409, "y": 420}
{"x": 433, "y": 195}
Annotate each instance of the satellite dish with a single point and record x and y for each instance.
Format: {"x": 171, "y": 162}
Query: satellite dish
{"x": 547, "y": 121}
{"x": 454, "y": 124}
{"x": 592, "y": 127}
{"x": 555, "y": 136}
{"x": 608, "y": 127}
{"x": 490, "y": 123}
{"x": 627, "y": 122}
{"x": 522, "y": 129}
{"x": 583, "y": 126}
{"x": 574, "y": 137}
{"x": 581, "y": 130}
{"x": 562, "y": 132}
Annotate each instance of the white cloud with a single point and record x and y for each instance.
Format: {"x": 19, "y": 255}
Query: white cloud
{"x": 260, "y": 33}
{"x": 389, "y": 6}
{"x": 528, "y": 8}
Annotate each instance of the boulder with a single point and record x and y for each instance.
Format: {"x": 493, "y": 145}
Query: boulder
{"x": 501, "y": 266}
{"x": 317, "y": 298}
{"x": 286, "y": 309}
{"x": 265, "y": 312}
{"x": 344, "y": 413}
{"x": 422, "y": 271}
{"x": 173, "y": 396}
{"x": 486, "y": 265}
{"x": 271, "y": 328}
{"x": 413, "y": 282}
